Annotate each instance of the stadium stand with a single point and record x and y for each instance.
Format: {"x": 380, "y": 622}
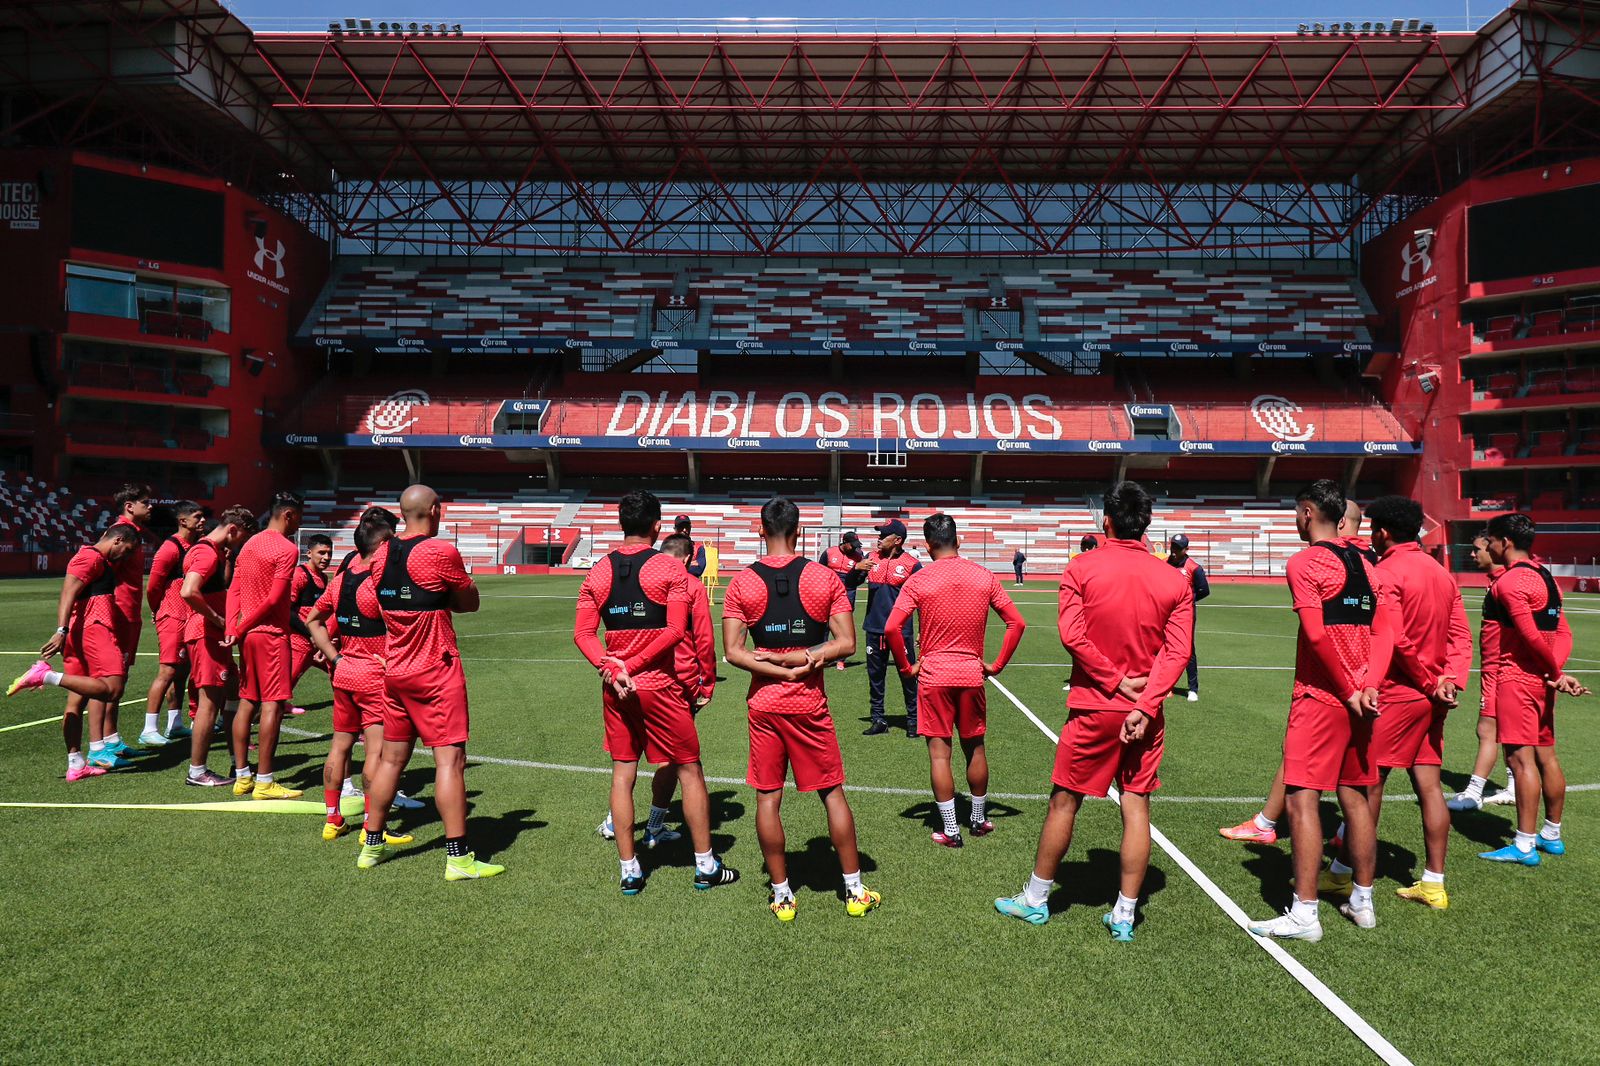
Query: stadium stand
{"x": 38, "y": 517}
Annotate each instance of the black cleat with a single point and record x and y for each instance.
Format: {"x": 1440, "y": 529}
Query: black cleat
{"x": 875, "y": 729}
{"x": 722, "y": 875}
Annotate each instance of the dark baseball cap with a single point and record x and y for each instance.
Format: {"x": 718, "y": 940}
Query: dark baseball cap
{"x": 1180, "y": 541}
{"x": 850, "y": 537}
{"x": 892, "y": 528}
{"x": 681, "y": 522}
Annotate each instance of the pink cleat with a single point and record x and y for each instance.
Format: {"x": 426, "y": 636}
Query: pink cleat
{"x": 33, "y": 678}
{"x": 1248, "y": 830}
{"x": 86, "y": 770}
{"x": 839, "y": 665}
{"x": 947, "y": 840}
{"x": 297, "y": 711}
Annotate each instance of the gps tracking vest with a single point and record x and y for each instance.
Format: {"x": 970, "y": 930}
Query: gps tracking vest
{"x": 104, "y": 585}
{"x": 352, "y": 623}
{"x": 218, "y": 581}
{"x": 785, "y": 623}
{"x": 1354, "y": 604}
{"x": 307, "y": 598}
{"x": 1546, "y": 619}
{"x": 398, "y": 590}
{"x": 627, "y": 607}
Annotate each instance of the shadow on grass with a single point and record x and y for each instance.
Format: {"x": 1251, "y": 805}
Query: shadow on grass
{"x": 1482, "y": 827}
{"x": 1093, "y": 881}
{"x": 817, "y": 867}
{"x": 927, "y": 813}
{"x": 491, "y": 834}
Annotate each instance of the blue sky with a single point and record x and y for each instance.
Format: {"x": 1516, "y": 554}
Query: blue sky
{"x": 1134, "y": 14}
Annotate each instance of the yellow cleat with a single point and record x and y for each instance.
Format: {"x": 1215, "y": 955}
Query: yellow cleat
{"x": 1332, "y": 884}
{"x": 396, "y": 838}
{"x": 243, "y": 786}
{"x": 862, "y": 902}
{"x": 783, "y": 909}
{"x": 274, "y": 791}
{"x": 1428, "y": 893}
{"x": 468, "y": 868}
{"x": 335, "y": 830}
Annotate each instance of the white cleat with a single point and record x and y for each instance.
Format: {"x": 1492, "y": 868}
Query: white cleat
{"x": 350, "y": 791}
{"x": 153, "y": 738}
{"x": 1194, "y": 697}
{"x": 1464, "y": 801}
{"x": 403, "y": 802}
{"x": 1287, "y": 927}
{"x": 607, "y": 830}
{"x": 1500, "y": 798}
{"x": 1363, "y": 917}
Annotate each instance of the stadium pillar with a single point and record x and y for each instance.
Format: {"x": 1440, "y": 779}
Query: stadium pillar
{"x": 552, "y": 471}
{"x": 977, "y": 475}
{"x": 1264, "y": 476}
{"x": 413, "y": 464}
{"x": 1121, "y": 472}
{"x": 694, "y": 472}
{"x": 330, "y": 466}
{"x": 1352, "y": 471}
{"x": 835, "y": 464}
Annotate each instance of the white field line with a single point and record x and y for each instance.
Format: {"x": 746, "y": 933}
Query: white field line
{"x": 1313, "y": 984}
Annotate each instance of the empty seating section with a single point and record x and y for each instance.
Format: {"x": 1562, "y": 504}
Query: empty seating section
{"x": 38, "y": 517}
{"x": 1543, "y": 381}
{"x": 1230, "y": 536}
{"x": 1270, "y": 407}
{"x": 1536, "y": 317}
{"x": 777, "y": 301}
{"x": 419, "y": 404}
{"x": 1548, "y": 443}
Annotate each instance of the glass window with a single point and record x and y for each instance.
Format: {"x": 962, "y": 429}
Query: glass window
{"x": 209, "y": 304}
{"x": 96, "y": 291}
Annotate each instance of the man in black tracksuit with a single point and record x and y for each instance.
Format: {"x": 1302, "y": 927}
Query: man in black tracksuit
{"x": 887, "y": 569}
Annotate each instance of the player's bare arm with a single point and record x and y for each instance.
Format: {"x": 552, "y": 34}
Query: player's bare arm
{"x": 70, "y": 587}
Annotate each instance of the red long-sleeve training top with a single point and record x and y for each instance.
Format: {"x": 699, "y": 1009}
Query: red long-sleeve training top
{"x": 1434, "y": 640}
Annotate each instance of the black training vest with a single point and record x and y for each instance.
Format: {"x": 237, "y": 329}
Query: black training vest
{"x": 786, "y": 623}
{"x": 398, "y": 590}
{"x": 218, "y": 581}
{"x": 307, "y": 598}
{"x": 104, "y": 585}
{"x": 627, "y": 607}
{"x": 352, "y": 623}
{"x": 1492, "y": 611}
{"x": 1546, "y": 619}
{"x": 1354, "y": 604}
{"x": 344, "y": 564}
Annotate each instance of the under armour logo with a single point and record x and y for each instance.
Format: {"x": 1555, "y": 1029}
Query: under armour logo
{"x": 263, "y": 256}
{"x": 1423, "y": 242}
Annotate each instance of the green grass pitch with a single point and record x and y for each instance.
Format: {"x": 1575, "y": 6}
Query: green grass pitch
{"x": 163, "y": 936}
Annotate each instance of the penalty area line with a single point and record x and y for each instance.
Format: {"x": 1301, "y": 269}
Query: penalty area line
{"x": 1308, "y": 980}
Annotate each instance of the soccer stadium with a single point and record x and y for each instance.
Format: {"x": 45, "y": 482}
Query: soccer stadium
{"x": 424, "y": 427}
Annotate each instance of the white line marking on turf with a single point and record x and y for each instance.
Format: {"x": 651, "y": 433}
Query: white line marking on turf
{"x": 37, "y": 721}
{"x": 1325, "y": 995}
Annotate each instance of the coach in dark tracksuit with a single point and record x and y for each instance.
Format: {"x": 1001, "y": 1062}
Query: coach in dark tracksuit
{"x": 888, "y": 569}
{"x": 1178, "y": 556}
{"x": 844, "y": 559}
{"x": 697, "y": 555}
{"x": 1017, "y": 559}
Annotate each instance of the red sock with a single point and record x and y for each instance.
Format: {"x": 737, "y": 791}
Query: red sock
{"x": 330, "y": 797}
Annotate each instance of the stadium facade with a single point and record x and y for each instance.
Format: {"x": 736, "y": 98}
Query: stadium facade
{"x": 883, "y": 270}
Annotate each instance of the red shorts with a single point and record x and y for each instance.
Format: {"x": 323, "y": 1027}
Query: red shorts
{"x": 1326, "y": 746}
{"x": 654, "y": 724}
{"x": 264, "y": 668}
{"x": 805, "y": 742}
{"x": 945, "y": 710}
{"x": 169, "y": 642}
{"x": 1091, "y": 756}
{"x": 210, "y": 664}
{"x": 1525, "y": 715}
{"x": 1408, "y": 732}
{"x": 302, "y": 657}
{"x": 430, "y": 706}
{"x": 92, "y": 650}
{"x": 1486, "y": 682}
{"x": 355, "y": 712}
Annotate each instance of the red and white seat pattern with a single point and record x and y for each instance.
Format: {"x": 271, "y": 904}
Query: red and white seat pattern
{"x": 37, "y": 516}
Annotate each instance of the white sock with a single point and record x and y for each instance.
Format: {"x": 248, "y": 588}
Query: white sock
{"x": 1304, "y": 911}
{"x": 1511, "y": 780}
{"x": 1123, "y": 911}
{"x": 980, "y": 808}
{"x": 781, "y": 891}
{"x": 152, "y": 721}
{"x": 263, "y": 779}
{"x": 172, "y": 720}
{"x": 1264, "y": 823}
{"x": 704, "y": 862}
{"x": 1037, "y": 894}
{"x": 96, "y": 746}
{"x": 1551, "y": 830}
{"x": 1475, "y": 786}
{"x": 241, "y": 772}
{"x": 51, "y": 677}
{"x": 852, "y": 883}
{"x": 1523, "y": 841}
{"x": 658, "y": 821}
{"x": 347, "y": 784}
{"x": 1361, "y": 898}
{"x": 75, "y": 760}
{"x": 113, "y": 739}
{"x": 631, "y": 867}
{"x": 1337, "y": 867}
{"x": 196, "y": 771}
{"x": 947, "y": 813}
{"x": 1431, "y": 878}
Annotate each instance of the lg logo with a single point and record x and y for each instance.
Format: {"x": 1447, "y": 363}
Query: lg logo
{"x": 273, "y": 256}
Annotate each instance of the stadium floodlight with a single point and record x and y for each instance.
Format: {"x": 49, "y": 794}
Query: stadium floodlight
{"x": 366, "y": 27}
{"x": 334, "y": 28}
{"x": 1427, "y": 27}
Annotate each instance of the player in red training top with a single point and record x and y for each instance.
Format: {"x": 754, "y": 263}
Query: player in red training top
{"x": 167, "y": 611}
{"x": 1263, "y": 828}
{"x": 133, "y": 509}
{"x": 359, "y": 700}
{"x": 695, "y": 662}
{"x": 258, "y": 622}
{"x": 887, "y": 569}
{"x": 952, "y": 597}
{"x": 87, "y": 636}
{"x": 417, "y": 582}
{"x": 642, "y": 597}
{"x": 1346, "y": 641}
{"x": 1431, "y": 663}
{"x": 1474, "y": 797}
{"x": 1127, "y": 618}
{"x": 796, "y": 614}
{"x": 310, "y": 579}
{"x": 1535, "y": 642}
{"x": 845, "y": 559}
{"x": 207, "y": 573}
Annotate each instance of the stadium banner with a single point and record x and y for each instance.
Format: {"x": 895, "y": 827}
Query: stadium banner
{"x": 948, "y": 445}
{"x": 371, "y": 344}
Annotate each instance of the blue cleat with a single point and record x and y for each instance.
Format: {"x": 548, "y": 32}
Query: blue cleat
{"x": 107, "y": 759}
{"x": 122, "y": 749}
{"x": 1121, "y": 932}
{"x": 632, "y": 886}
{"x": 1550, "y": 847}
{"x": 1018, "y": 907}
{"x": 1511, "y": 853}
